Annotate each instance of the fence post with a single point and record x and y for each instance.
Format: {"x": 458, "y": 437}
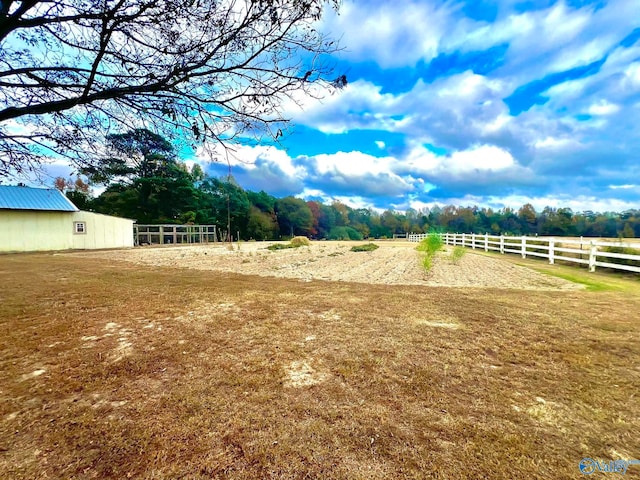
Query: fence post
{"x": 551, "y": 243}
{"x": 446, "y": 238}
{"x": 464, "y": 239}
{"x": 593, "y": 252}
{"x": 524, "y": 246}
{"x": 501, "y": 243}
{"x": 473, "y": 241}
{"x": 486, "y": 242}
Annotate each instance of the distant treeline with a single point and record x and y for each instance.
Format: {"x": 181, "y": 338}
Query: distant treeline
{"x": 258, "y": 215}
{"x": 145, "y": 181}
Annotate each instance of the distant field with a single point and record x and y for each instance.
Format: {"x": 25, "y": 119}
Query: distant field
{"x": 115, "y": 369}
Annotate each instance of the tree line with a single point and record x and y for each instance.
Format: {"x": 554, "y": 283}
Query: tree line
{"x": 147, "y": 182}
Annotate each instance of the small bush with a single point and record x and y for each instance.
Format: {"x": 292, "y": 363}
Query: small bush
{"x": 300, "y": 242}
{"x": 430, "y": 246}
{"x": 457, "y": 254}
{"x": 427, "y": 262}
{"x": 368, "y": 247}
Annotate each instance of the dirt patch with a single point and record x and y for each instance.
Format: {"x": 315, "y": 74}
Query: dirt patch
{"x": 450, "y": 326}
{"x": 392, "y": 264}
{"x": 301, "y": 374}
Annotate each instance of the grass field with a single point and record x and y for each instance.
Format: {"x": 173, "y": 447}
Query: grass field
{"x": 111, "y": 370}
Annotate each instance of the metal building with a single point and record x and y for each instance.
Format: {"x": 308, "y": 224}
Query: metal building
{"x": 39, "y": 219}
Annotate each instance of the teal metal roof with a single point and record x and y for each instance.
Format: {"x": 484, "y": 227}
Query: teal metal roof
{"x": 27, "y": 198}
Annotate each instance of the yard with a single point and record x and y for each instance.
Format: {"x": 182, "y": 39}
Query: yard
{"x": 124, "y": 364}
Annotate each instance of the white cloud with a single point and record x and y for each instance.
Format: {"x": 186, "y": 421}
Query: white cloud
{"x": 483, "y": 157}
{"x": 555, "y": 143}
{"x": 352, "y": 163}
{"x": 248, "y": 157}
{"x": 462, "y": 105}
{"x": 578, "y": 203}
{"x": 463, "y": 163}
{"x": 394, "y": 34}
{"x": 603, "y": 108}
{"x": 355, "y": 202}
{"x": 345, "y": 110}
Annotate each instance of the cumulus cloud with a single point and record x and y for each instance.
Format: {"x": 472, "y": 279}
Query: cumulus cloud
{"x": 394, "y": 33}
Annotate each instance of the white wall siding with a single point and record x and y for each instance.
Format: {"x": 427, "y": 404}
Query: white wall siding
{"x": 30, "y": 231}
{"x": 102, "y": 231}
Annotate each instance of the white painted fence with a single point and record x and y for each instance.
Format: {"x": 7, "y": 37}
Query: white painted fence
{"x": 553, "y": 248}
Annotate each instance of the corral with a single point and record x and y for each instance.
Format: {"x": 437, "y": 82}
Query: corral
{"x": 124, "y": 364}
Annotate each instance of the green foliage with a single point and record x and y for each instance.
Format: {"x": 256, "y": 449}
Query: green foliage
{"x": 457, "y": 253}
{"x": 427, "y": 262}
{"x": 367, "y": 247}
{"x": 294, "y": 216}
{"x": 430, "y": 246}
{"x": 227, "y": 202}
{"x": 262, "y": 201}
{"x": 261, "y": 225}
{"x": 136, "y": 154}
{"x": 344, "y": 233}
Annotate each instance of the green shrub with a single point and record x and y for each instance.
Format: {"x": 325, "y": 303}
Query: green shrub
{"x": 368, "y": 247}
{"x": 457, "y": 254}
{"x": 427, "y": 262}
{"x": 430, "y": 246}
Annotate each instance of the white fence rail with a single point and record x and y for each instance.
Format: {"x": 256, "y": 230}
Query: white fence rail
{"x": 583, "y": 250}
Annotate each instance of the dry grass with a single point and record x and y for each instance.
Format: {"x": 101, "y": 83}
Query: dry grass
{"x": 111, "y": 370}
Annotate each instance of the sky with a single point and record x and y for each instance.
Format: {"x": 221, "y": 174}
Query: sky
{"x": 472, "y": 102}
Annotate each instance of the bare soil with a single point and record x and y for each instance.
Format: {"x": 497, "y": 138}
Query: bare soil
{"x": 394, "y": 263}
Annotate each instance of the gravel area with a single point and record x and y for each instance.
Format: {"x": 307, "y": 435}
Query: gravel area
{"x": 394, "y": 263}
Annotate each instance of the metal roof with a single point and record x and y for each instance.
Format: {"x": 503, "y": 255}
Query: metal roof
{"x": 27, "y": 198}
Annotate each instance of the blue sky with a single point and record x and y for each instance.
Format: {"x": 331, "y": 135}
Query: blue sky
{"x": 491, "y": 103}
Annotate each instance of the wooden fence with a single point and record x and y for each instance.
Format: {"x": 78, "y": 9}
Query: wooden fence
{"x": 584, "y": 251}
{"x": 163, "y": 234}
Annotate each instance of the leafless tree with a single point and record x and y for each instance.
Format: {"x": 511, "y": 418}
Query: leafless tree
{"x": 73, "y": 71}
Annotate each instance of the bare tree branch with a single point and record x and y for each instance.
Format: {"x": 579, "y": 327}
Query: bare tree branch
{"x": 75, "y": 71}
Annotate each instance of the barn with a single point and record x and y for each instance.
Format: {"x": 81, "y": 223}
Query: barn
{"x": 40, "y": 219}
